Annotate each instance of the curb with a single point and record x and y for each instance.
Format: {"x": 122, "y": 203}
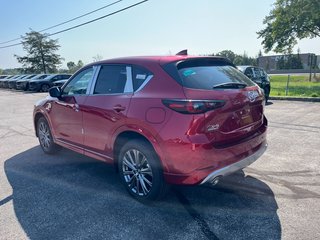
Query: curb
{"x": 302, "y": 99}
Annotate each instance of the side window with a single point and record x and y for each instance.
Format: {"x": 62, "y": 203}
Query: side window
{"x": 263, "y": 74}
{"x": 79, "y": 84}
{"x": 140, "y": 77}
{"x": 248, "y": 72}
{"x": 56, "y": 78}
{"x": 112, "y": 79}
{"x": 257, "y": 72}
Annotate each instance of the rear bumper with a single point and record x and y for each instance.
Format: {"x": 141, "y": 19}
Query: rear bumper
{"x": 235, "y": 166}
{"x": 193, "y": 164}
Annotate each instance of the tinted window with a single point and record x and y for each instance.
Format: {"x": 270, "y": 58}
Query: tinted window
{"x": 42, "y": 77}
{"x": 111, "y": 79}
{"x": 262, "y": 72}
{"x": 65, "y": 76}
{"x": 206, "y": 77}
{"x": 140, "y": 77}
{"x": 249, "y": 72}
{"x": 257, "y": 72}
{"x": 79, "y": 84}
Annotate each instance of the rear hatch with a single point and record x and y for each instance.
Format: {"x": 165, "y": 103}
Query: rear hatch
{"x": 231, "y": 104}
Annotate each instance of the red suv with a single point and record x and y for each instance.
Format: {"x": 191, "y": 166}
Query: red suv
{"x": 173, "y": 119}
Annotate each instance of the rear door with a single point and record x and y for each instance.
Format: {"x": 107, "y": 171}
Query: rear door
{"x": 106, "y": 108}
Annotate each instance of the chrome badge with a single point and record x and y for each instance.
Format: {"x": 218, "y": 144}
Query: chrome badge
{"x": 252, "y": 95}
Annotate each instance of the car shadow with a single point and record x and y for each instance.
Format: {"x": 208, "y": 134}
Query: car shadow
{"x": 70, "y": 196}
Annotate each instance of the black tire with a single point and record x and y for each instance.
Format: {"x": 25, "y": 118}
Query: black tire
{"x": 45, "y": 88}
{"x": 45, "y": 137}
{"x": 141, "y": 172}
{"x": 266, "y": 94}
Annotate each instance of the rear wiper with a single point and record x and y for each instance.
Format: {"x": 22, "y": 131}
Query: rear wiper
{"x": 230, "y": 85}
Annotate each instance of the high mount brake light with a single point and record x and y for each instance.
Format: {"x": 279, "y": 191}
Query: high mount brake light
{"x": 192, "y": 106}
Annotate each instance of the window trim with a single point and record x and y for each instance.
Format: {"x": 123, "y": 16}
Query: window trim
{"x": 75, "y": 75}
{"x": 128, "y": 89}
{"x": 90, "y": 88}
{"x": 146, "y": 81}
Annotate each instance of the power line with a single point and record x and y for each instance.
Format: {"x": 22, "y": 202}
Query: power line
{"x": 12, "y": 45}
{"x": 57, "y": 25}
{"x": 99, "y": 18}
{"x": 85, "y": 23}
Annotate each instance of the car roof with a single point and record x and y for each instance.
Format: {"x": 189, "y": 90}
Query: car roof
{"x": 50, "y": 76}
{"x": 243, "y": 67}
{"x": 246, "y": 66}
{"x": 162, "y": 60}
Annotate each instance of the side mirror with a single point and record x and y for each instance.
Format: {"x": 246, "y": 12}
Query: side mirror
{"x": 55, "y": 92}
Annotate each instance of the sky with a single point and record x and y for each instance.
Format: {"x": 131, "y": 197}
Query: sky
{"x": 156, "y": 27}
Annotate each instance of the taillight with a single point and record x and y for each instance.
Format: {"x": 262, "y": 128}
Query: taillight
{"x": 192, "y": 106}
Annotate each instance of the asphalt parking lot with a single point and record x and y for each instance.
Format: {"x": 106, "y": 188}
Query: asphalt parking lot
{"x": 69, "y": 196}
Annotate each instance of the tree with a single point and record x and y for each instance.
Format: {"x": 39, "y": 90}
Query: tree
{"x": 290, "y": 61}
{"x": 227, "y": 54}
{"x": 13, "y": 71}
{"x": 74, "y": 67}
{"x": 244, "y": 59}
{"x": 288, "y": 21}
{"x": 236, "y": 59}
{"x": 41, "y": 56}
{"x": 97, "y": 58}
{"x": 71, "y": 65}
{"x": 80, "y": 64}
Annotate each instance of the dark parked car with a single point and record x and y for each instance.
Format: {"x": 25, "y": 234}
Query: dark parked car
{"x": 45, "y": 84}
{"x": 11, "y": 83}
{"x": 4, "y": 81}
{"x": 158, "y": 120}
{"x": 23, "y": 84}
{"x": 259, "y": 76}
{"x": 60, "y": 83}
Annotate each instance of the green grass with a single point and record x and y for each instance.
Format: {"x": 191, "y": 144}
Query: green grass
{"x": 299, "y": 86}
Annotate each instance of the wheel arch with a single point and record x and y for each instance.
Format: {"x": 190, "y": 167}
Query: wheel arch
{"x": 123, "y": 137}
{"x": 44, "y": 84}
{"x": 36, "y": 118}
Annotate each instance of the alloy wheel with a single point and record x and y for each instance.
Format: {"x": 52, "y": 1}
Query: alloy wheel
{"x": 44, "y": 135}
{"x": 137, "y": 172}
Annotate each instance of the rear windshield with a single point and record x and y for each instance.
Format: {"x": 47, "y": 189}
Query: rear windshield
{"x": 200, "y": 74}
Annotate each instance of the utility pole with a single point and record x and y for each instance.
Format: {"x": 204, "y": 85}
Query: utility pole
{"x": 311, "y": 61}
{"x": 314, "y": 66}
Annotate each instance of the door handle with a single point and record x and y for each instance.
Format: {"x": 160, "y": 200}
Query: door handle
{"x": 119, "y": 108}
{"x": 75, "y": 107}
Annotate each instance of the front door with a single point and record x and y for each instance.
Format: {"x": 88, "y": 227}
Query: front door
{"x": 67, "y": 112}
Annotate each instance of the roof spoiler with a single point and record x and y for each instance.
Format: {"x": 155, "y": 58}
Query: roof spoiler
{"x": 183, "y": 52}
